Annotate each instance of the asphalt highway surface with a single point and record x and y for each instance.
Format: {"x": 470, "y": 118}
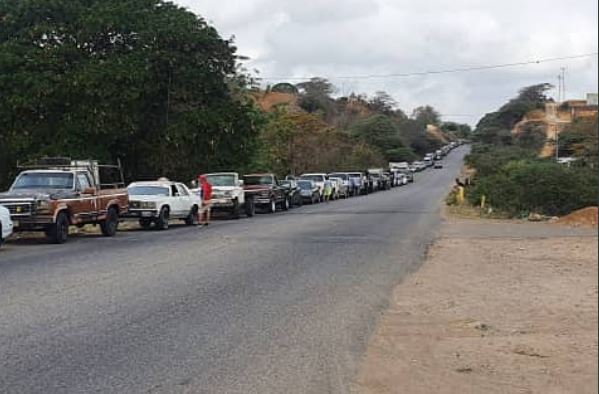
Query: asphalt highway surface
{"x": 281, "y": 303}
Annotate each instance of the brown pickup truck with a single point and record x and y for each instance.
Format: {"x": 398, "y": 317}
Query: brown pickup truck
{"x": 53, "y": 194}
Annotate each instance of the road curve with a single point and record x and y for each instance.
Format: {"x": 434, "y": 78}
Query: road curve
{"x": 281, "y": 303}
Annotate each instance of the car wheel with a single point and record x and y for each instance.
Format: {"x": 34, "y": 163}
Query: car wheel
{"x": 191, "y": 219}
{"x": 272, "y": 206}
{"x": 162, "y": 221}
{"x": 58, "y": 233}
{"x": 145, "y": 223}
{"x": 285, "y": 204}
{"x": 111, "y": 223}
{"x": 236, "y": 211}
{"x": 250, "y": 207}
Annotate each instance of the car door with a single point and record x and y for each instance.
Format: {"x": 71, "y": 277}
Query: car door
{"x": 85, "y": 207}
{"x": 186, "y": 199}
{"x": 175, "y": 201}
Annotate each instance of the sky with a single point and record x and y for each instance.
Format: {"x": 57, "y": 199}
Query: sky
{"x": 353, "y": 38}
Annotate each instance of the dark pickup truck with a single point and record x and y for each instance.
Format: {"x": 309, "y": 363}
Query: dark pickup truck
{"x": 54, "y": 194}
{"x": 266, "y": 191}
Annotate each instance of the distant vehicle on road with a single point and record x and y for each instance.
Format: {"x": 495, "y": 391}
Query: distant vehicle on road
{"x": 341, "y": 189}
{"x": 429, "y": 161}
{"x": 318, "y": 179}
{"x": 52, "y": 194}
{"x": 158, "y": 202}
{"x": 293, "y": 192}
{"x": 309, "y": 191}
{"x": 5, "y": 224}
{"x": 266, "y": 191}
{"x": 358, "y": 183}
{"x": 376, "y": 175}
{"x": 228, "y": 194}
{"x": 346, "y": 186}
{"x": 438, "y": 164}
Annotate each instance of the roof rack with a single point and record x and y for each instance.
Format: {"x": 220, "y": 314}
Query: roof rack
{"x": 66, "y": 163}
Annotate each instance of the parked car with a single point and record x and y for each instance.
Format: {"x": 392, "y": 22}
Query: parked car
{"x": 159, "y": 202}
{"x": 429, "y": 161}
{"x": 358, "y": 183}
{"x": 386, "y": 180}
{"x": 6, "y": 224}
{"x": 52, "y": 194}
{"x": 318, "y": 179}
{"x": 228, "y": 194}
{"x": 438, "y": 164}
{"x": 293, "y": 192}
{"x": 309, "y": 191}
{"x": 346, "y": 186}
{"x": 419, "y": 165}
{"x": 376, "y": 175}
{"x": 409, "y": 175}
{"x": 339, "y": 189}
{"x": 266, "y": 191}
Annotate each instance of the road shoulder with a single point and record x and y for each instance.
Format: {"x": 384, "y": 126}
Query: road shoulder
{"x": 497, "y": 307}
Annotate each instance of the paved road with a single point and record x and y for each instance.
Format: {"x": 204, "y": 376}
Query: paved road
{"x": 280, "y": 303}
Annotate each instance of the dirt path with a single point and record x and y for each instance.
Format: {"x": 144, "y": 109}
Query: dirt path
{"x": 497, "y": 307}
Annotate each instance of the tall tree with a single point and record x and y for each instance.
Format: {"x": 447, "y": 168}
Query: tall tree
{"x": 142, "y": 80}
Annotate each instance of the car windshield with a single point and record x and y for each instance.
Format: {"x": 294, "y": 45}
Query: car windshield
{"x": 258, "y": 180}
{"x": 355, "y": 175}
{"x": 221, "y": 180}
{"x": 305, "y": 185}
{"x": 148, "y": 191}
{"x": 341, "y": 176}
{"x": 285, "y": 183}
{"x": 315, "y": 178}
{"x": 44, "y": 180}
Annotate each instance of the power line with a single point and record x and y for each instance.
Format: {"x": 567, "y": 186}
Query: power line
{"x": 444, "y": 71}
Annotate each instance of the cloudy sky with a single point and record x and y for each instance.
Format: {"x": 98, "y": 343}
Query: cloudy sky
{"x": 339, "y": 38}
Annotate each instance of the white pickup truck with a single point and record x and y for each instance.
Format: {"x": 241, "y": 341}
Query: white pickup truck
{"x": 229, "y": 195}
{"x": 157, "y": 202}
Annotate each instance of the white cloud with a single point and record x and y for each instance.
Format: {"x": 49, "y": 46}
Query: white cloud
{"x": 356, "y": 37}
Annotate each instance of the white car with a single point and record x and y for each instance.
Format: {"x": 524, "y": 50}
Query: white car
{"x": 5, "y": 224}
{"x": 318, "y": 179}
{"x": 157, "y": 202}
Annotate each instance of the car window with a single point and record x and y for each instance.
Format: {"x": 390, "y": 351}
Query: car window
{"x": 182, "y": 190}
{"x": 174, "y": 191}
{"x": 83, "y": 181}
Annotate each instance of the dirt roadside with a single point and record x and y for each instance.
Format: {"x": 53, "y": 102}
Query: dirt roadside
{"x": 498, "y": 307}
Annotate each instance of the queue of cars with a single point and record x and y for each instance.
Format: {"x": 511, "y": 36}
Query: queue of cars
{"x": 56, "y": 193}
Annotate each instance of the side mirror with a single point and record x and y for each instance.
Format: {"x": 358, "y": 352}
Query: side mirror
{"x": 240, "y": 182}
{"x": 89, "y": 190}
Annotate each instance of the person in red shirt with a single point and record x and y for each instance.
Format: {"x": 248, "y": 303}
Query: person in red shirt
{"x": 206, "y": 188}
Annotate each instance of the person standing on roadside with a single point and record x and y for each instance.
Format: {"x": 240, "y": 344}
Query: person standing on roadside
{"x": 328, "y": 189}
{"x": 206, "y": 189}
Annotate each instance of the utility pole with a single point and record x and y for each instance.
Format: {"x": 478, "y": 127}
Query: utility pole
{"x": 559, "y": 88}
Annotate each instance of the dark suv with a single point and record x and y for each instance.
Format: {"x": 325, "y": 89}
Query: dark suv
{"x": 267, "y": 192}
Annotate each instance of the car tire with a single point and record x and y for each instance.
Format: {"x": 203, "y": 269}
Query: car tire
{"x": 250, "y": 207}
{"x": 191, "y": 219}
{"x": 162, "y": 221}
{"x": 111, "y": 223}
{"x": 236, "y": 210}
{"x": 145, "y": 223}
{"x": 58, "y": 232}
{"x": 285, "y": 204}
{"x": 272, "y": 206}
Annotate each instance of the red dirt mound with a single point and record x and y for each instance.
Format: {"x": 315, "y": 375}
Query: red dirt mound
{"x": 582, "y": 217}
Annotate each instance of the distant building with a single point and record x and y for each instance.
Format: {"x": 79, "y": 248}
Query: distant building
{"x": 592, "y": 99}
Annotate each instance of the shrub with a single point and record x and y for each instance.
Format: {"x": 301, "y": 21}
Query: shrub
{"x": 537, "y": 186}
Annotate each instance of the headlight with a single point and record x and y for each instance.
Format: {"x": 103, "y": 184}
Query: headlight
{"x": 147, "y": 205}
{"x": 43, "y": 205}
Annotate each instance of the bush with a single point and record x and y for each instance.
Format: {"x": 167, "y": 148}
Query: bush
{"x": 537, "y": 186}
{"x": 489, "y": 159}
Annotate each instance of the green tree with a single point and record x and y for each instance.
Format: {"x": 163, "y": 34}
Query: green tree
{"x": 142, "y": 80}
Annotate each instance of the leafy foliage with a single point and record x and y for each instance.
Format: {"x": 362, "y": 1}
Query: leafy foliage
{"x": 143, "y": 80}
{"x": 579, "y": 139}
